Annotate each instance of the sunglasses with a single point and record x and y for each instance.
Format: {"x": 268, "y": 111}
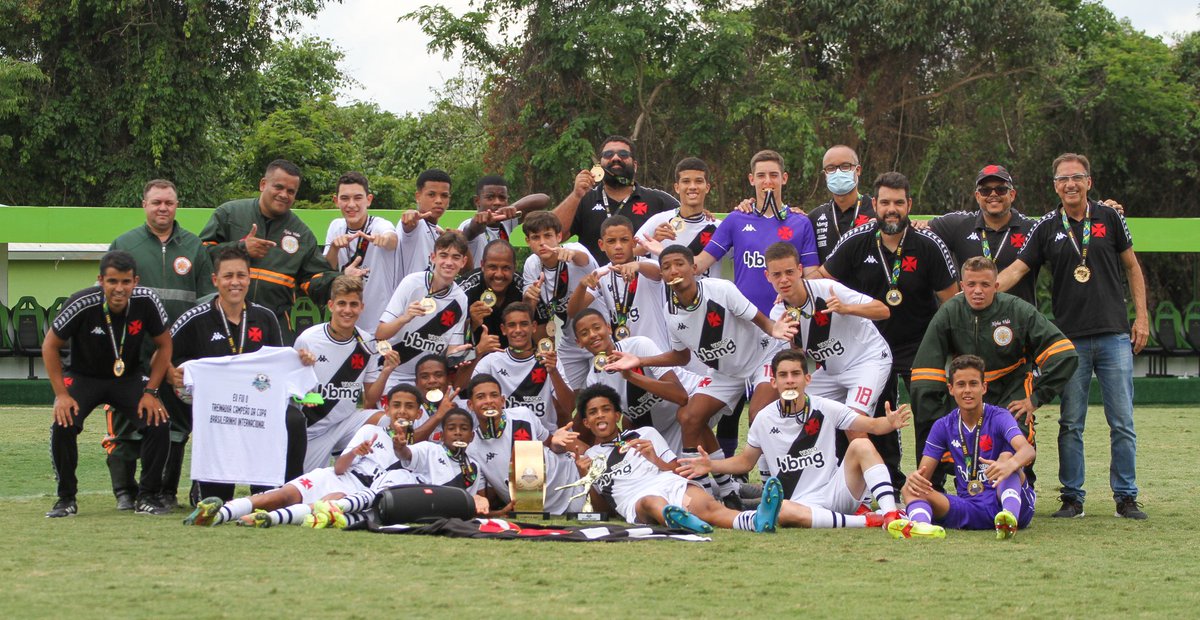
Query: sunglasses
{"x": 623, "y": 154}
{"x": 999, "y": 190}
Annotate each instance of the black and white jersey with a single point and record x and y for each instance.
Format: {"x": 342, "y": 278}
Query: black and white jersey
{"x": 432, "y": 463}
{"x": 378, "y": 460}
{"x": 965, "y": 233}
{"x": 835, "y": 342}
{"x": 473, "y": 285}
{"x": 201, "y": 332}
{"x": 643, "y": 297}
{"x": 432, "y": 333}
{"x": 719, "y": 329}
{"x": 801, "y": 450}
{"x": 697, "y": 232}
{"x": 830, "y": 223}
{"x": 556, "y": 289}
{"x": 641, "y": 407}
{"x": 380, "y": 281}
{"x": 500, "y": 230}
{"x": 524, "y": 383}
{"x": 415, "y": 247}
{"x": 495, "y": 455}
{"x": 94, "y": 344}
{"x": 629, "y": 474}
{"x": 341, "y": 367}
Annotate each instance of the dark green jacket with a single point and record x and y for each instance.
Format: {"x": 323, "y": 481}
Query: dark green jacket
{"x": 179, "y": 270}
{"x": 1024, "y": 353}
{"x": 295, "y": 263}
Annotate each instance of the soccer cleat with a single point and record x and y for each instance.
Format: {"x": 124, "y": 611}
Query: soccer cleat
{"x": 907, "y": 528}
{"x": 334, "y": 517}
{"x": 205, "y": 512}
{"x": 892, "y": 516}
{"x": 677, "y": 518}
{"x": 316, "y": 520}
{"x": 258, "y": 518}
{"x": 125, "y": 502}
{"x": 63, "y": 508}
{"x": 1006, "y": 525}
{"x": 733, "y": 502}
{"x": 768, "y": 509}
{"x": 1071, "y": 508}
{"x": 1129, "y": 508}
{"x": 151, "y": 506}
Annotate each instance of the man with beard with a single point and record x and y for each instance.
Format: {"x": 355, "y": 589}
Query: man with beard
{"x": 847, "y": 207}
{"x": 594, "y": 200}
{"x": 910, "y": 270}
{"x": 491, "y": 288}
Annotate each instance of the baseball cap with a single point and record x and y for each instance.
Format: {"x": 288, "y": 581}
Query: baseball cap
{"x": 993, "y": 170}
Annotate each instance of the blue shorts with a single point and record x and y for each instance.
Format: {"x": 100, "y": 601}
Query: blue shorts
{"x": 979, "y": 512}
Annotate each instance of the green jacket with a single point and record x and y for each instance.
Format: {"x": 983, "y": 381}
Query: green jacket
{"x": 179, "y": 270}
{"x": 294, "y": 263}
{"x": 1024, "y": 353}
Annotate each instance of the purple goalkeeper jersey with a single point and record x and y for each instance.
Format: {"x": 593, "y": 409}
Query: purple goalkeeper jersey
{"x": 997, "y": 428}
{"x": 750, "y": 234}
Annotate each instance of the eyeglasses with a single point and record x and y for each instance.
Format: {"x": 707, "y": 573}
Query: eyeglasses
{"x": 998, "y": 190}
{"x": 844, "y": 167}
{"x": 623, "y": 154}
{"x": 1074, "y": 178}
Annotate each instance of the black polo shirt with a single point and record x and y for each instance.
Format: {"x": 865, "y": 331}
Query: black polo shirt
{"x": 595, "y": 207}
{"x": 474, "y": 285}
{"x": 926, "y": 267}
{"x": 200, "y": 333}
{"x": 1094, "y": 307}
{"x": 830, "y": 223}
{"x": 964, "y": 231}
{"x": 83, "y": 325}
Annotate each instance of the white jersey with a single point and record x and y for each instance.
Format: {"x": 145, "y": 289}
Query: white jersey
{"x": 697, "y": 232}
{"x": 432, "y": 333}
{"x": 495, "y": 455}
{"x": 645, "y": 301}
{"x": 836, "y": 342}
{"x": 239, "y": 405}
{"x": 431, "y": 463}
{"x": 380, "y": 281}
{"x": 641, "y": 407}
{"x": 378, "y": 460}
{"x": 802, "y": 453}
{"x": 524, "y": 383}
{"x": 501, "y": 230}
{"x": 341, "y": 367}
{"x": 719, "y": 330}
{"x": 559, "y": 283}
{"x": 630, "y": 475}
{"x": 415, "y": 248}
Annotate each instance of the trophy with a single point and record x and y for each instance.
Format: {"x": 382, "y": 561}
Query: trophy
{"x": 527, "y": 479}
{"x": 588, "y": 513}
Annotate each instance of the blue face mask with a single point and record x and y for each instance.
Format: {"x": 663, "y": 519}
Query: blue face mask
{"x": 841, "y": 183}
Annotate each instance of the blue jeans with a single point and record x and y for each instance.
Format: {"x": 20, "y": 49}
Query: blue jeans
{"x": 1111, "y": 358}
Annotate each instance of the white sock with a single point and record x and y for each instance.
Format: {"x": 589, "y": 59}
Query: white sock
{"x": 292, "y": 515}
{"x": 822, "y": 518}
{"x": 234, "y": 510}
{"x": 879, "y": 482}
{"x": 357, "y": 502}
{"x": 744, "y": 520}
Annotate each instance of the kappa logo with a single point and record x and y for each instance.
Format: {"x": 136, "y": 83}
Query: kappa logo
{"x": 490, "y": 456}
{"x": 322, "y": 359}
{"x": 1059, "y": 237}
{"x": 749, "y": 228}
{"x": 97, "y": 331}
{"x": 871, "y": 259}
{"x": 821, "y": 218}
{"x": 503, "y": 372}
{"x": 973, "y": 237}
{"x": 599, "y": 207}
{"x": 774, "y": 430}
{"x": 217, "y": 336}
{"x": 681, "y": 327}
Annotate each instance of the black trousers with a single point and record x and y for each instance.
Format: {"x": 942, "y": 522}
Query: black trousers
{"x": 123, "y": 393}
{"x": 297, "y": 445}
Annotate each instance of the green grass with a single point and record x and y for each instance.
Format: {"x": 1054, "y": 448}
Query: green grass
{"x": 105, "y": 563}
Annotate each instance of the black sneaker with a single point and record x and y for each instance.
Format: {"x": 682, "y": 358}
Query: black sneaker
{"x": 151, "y": 506}
{"x": 125, "y": 502}
{"x": 1129, "y": 508}
{"x": 1071, "y": 508}
{"x": 170, "y": 501}
{"x": 63, "y": 508}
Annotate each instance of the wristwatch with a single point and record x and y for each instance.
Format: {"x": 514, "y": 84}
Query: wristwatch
{"x": 151, "y": 391}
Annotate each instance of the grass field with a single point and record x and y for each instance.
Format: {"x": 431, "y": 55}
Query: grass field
{"x": 110, "y": 564}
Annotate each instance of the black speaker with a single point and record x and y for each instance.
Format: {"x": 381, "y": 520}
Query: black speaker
{"x": 410, "y": 503}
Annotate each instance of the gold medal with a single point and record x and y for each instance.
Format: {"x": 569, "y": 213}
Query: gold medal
{"x": 677, "y": 224}
{"x": 621, "y": 333}
{"x": 794, "y": 313}
{"x": 597, "y": 173}
{"x": 119, "y": 367}
{"x": 434, "y": 396}
{"x": 551, "y": 328}
{"x": 787, "y": 400}
{"x": 383, "y": 347}
{"x": 546, "y": 345}
{"x": 428, "y": 305}
{"x": 488, "y": 298}
{"x": 1083, "y": 274}
{"x": 893, "y": 297}
{"x": 491, "y": 421}
{"x": 600, "y": 362}
{"x": 974, "y": 487}
{"x": 675, "y": 282}
{"x": 407, "y": 427}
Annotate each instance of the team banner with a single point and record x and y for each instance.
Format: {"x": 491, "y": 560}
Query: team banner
{"x": 513, "y": 530}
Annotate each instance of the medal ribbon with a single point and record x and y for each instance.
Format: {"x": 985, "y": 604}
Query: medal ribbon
{"x": 837, "y": 230}
{"x": 360, "y": 249}
{"x": 1087, "y": 233}
{"x": 469, "y": 473}
{"x": 622, "y": 301}
{"x": 500, "y": 426}
{"x": 987, "y": 250}
{"x": 972, "y": 459}
{"x": 802, "y": 415}
{"x": 241, "y": 345}
{"x": 695, "y": 304}
{"x": 108, "y": 322}
{"x": 612, "y": 212}
{"x": 894, "y": 276}
{"x": 770, "y": 204}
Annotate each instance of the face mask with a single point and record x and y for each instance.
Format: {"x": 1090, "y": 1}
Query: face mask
{"x": 841, "y": 183}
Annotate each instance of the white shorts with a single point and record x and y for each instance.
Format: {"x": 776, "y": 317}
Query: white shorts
{"x": 318, "y": 483}
{"x": 691, "y": 383}
{"x": 858, "y": 387}
{"x": 671, "y": 488}
{"x": 730, "y": 390}
{"x": 324, "y": 440}
{"x": 837, "y": 496}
